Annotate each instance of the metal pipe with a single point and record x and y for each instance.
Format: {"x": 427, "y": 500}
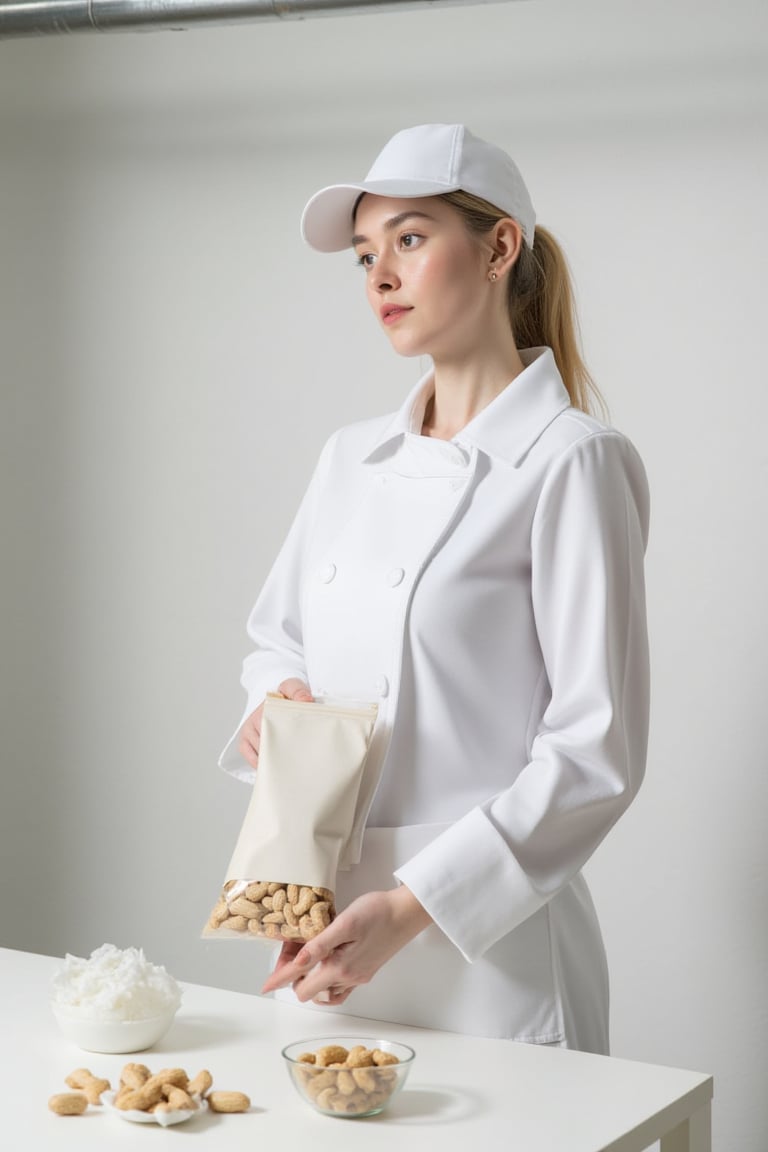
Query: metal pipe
{"x": 40, "y": 17}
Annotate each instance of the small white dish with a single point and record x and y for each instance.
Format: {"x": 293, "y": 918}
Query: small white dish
{"x": 113, "y": 1035}
{"x": 165, "y": 1119}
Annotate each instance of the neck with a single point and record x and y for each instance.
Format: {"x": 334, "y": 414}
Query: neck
{"x": 462, "y": 390}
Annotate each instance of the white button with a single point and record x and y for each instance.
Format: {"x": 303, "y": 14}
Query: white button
{"x": 328, "y": 573}
{"x": 382, "y": 685}
{"x": 395, "y": 577}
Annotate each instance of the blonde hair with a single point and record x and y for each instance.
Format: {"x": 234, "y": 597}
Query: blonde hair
{"x": 540, "y": 299}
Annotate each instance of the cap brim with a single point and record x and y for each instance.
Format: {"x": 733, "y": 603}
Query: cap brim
{"x": 326, "y": 222}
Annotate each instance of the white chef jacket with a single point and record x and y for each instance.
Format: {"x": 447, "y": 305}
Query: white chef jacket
{"x": 488, "y": 592}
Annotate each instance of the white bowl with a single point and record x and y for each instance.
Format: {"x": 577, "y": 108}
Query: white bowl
{"x": 113, "y": 1035}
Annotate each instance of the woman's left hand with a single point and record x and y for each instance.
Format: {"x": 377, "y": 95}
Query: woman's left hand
{"x": 352, "y": 948}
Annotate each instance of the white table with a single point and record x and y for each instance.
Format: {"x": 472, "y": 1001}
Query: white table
{"x": 463, "y": 1092}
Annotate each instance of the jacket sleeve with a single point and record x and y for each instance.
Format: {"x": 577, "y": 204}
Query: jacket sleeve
{"x": 503, "y": 860}
{"x": 275, "y": 623}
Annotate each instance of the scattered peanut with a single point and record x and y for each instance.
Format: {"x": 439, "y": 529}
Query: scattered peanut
{"x": 169, "y": 1090}
{"x": 139, "y": 1099}
{"x": 134, "y": 1075}
{"x": 91, "y": 1085}
{"x": 199, "y": 1085}
{"x": 178, "y": 1099}
{"x": 273, "y": 911}
{"x": 228, "y": 1101}
{"x": 68, "y": 1103}
{"x": 175, "y": 1076}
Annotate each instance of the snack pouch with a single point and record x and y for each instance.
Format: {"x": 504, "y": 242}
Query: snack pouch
{"x": 302, "y": 822}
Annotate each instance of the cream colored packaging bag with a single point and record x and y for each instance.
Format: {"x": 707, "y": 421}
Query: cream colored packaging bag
{"x": 304, "y": 812}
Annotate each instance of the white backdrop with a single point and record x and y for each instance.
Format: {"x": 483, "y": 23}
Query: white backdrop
{"x": 172, "y": 359}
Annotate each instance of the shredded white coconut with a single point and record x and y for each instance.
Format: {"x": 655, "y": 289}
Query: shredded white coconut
{"x": 114, "y": 985}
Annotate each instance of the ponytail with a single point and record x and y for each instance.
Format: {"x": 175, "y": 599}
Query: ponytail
{"x": 542, "y": 309}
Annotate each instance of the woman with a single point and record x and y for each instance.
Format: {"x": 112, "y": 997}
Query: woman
{"x": 475, "y": 563}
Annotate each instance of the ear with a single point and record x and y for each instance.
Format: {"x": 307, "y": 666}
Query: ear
{"x": 506, "y": 241}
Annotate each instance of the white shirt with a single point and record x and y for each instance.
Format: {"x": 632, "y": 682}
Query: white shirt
{"x": 489, "y": 593}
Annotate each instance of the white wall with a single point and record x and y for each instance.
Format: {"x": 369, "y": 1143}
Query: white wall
{"x": 172, "y": 358}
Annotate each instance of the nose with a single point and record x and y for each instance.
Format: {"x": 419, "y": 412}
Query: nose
{"x": 385, "y": 277}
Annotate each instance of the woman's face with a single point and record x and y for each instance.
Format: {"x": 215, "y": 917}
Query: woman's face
{"x": 426, "y": 277}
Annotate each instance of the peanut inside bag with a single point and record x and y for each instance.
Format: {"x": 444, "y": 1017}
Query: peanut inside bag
{"x": 304, "y": 811}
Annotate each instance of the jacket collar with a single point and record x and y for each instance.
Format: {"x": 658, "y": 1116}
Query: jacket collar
{"x": 507, "y": 427}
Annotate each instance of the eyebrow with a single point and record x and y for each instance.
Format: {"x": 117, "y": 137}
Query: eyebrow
{"x": 392, "y": 223}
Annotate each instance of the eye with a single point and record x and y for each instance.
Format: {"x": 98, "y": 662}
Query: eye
{"x": 410, "y": 239}
{"x": 367, "y": 260}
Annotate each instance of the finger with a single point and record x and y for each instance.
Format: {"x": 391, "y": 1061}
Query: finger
{"x": 284, "y": 974}
{"x": 288, "y": 969}
{"x": 295, "y": 689}
{"x": 307, "y": 958}
{"x": 325, "y": 980}
{"x": 321, "y": 975}
{"x": 287, "y": 954}
{"x": 248, "y": 752}
{"x": 333, "y": 995}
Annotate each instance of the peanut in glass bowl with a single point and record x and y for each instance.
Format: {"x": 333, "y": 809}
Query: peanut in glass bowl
{"x": 360, "y": 1078}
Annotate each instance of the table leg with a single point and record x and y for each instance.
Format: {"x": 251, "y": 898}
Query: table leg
{"x": 693, "y": 1135}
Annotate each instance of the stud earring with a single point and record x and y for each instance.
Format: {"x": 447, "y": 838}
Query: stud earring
{"x": 492, "y": 276}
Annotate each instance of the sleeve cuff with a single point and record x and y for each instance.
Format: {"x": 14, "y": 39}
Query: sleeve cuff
{"x": 271, "y": 673}
{"x": 233, "y": 763}
{"x": 471, "y": 884}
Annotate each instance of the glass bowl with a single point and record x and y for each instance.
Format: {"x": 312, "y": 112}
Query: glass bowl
{"x": 350, "y": 1076}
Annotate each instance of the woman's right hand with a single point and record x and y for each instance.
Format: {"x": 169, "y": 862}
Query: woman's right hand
{"x": 250, "y": 732}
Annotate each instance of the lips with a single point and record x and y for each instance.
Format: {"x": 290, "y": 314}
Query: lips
{"x": 390, "y": 313}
